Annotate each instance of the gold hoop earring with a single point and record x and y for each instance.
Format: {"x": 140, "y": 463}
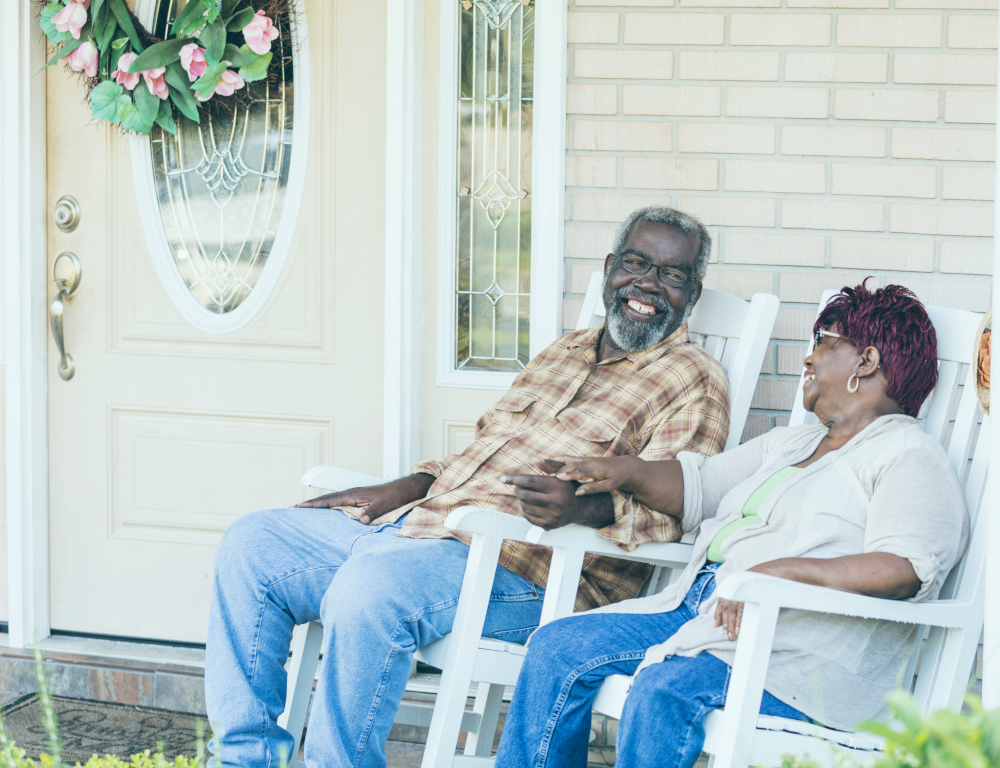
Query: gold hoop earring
{"x": 857, "y": 384}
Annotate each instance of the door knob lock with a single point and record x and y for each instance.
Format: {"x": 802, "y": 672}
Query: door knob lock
{"x": 66, "y": 273}
{"x": 67, "y": 213}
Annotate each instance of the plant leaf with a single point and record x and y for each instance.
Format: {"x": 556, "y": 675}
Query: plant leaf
{"x": 158, "y": 55}
{"x": 229, "y": 7}
{"x": 165, "y": 118}
{"x": 53, "y": 34}
{"x": 110, "y": 28}
{"x": 104, "y": 100}
{"x": 257, "y": 70}
{"x": 213, "y": 37}
{"x": 98, "y": 20}
{"x": 189, "y": 19}
{"x": 207, "y": 82}
{"x": 125, "y": 22}
{"x": 213, "y": 13}
{"x": 146, "y": 103}
{"x": 132, "y": 120}
{"x": 240, "y": 20}
{"x": 122, "y": 101}
{"x": 239, "y": 57}
{"x": 180, "y": 92}
{"x": 68, "y": 48}
{"x": 119, "y": 43}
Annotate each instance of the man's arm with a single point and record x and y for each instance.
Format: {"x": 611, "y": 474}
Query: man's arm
{"x": 551, "y": 503}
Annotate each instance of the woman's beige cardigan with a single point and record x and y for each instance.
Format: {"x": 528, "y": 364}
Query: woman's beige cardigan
{"x": 890, "y": 489}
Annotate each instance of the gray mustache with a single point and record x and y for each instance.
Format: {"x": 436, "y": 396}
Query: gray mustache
{"x": 631, "y": 292}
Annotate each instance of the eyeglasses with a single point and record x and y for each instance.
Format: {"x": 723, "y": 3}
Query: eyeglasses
{"x": 820, "y": 333}
{"x": 638, "y": 265}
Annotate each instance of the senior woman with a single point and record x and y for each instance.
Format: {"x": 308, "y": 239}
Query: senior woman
{"x": 864, "y": 502}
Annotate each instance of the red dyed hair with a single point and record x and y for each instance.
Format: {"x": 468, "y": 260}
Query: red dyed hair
{"x": 892, "y": 320}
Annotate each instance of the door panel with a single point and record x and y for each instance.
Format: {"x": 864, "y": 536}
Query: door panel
{"x": 166, "y": 434}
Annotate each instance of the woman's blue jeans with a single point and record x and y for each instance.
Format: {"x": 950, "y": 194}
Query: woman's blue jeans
{"x": 380, "y": 597}
{"x": 662, "y": 725}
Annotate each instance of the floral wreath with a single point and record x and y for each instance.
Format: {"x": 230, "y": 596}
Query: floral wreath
{"x": 197, "y": 63}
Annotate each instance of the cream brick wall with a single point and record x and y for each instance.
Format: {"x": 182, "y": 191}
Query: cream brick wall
{"x": 821, "y": 141}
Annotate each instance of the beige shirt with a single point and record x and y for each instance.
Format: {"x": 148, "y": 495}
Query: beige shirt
{"x": 890, "y": 489}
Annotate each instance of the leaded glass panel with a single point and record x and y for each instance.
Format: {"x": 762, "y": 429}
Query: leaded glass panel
{"x": 493, "y": 262}
{"x": 221, "y": 184}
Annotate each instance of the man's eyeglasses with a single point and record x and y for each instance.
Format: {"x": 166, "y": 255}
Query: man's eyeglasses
{"x": 820, "y": 333}
{"x": 638, "y": 265}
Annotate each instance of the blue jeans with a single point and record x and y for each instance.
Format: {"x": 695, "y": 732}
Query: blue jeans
{"x": 380, "y": 597}
{"x": 662, "y": 725}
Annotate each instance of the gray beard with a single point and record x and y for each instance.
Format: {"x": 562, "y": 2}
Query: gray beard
{"x": 633, "y": 336}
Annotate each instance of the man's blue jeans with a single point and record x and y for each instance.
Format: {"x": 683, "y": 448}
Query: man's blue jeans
{"x": 662, "y": 726}
{"x": 380, "y": 597}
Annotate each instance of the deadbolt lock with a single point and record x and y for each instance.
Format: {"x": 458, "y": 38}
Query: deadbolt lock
{"x": 67, "y": 213}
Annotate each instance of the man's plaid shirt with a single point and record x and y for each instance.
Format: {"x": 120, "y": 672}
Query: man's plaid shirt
{"x": 655, "y": 403}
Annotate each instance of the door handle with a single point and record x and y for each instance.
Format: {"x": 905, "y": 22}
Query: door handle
{"x": 66, "y": 273}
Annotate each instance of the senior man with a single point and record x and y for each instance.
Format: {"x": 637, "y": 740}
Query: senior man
{"x": 379, "y": 569}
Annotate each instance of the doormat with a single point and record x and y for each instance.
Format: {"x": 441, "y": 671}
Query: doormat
{"x": 94, "y": 727}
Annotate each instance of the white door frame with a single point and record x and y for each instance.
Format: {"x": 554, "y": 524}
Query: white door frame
{"x": 25, "y": 335}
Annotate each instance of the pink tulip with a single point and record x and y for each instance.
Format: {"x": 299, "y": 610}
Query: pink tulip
{"x": 155, "y": 82}
{"x": 122, "y": 76}
{"x": 85, "y": 58}
{"x": 229, "y": 83}
{"x": 259, "y": 33}
{"x": 193, "y": 61}
{"x": 72, "y": 18}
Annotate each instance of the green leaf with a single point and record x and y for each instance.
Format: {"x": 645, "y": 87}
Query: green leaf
{"x": 189, "y": 19}
{"x": 132, "y": 120}
{"x": 240, "y": 20}
{"x": 104, "y": 100}
{"x": 229, "y": 8}
{"x": 180, "y": 92}
{"x": 213, "y": 37}
{"x": 107, "y": 34}
{"x": 68, "y": 48}
{"x": 207, "y": 82}
{"x": 122, "y": 101}
{"x": 257, "y": 70}
{"x": 239, "y": 57}
{"x": 119, "y": 43}
{"x": 125, "y": 22}
{"x": 165, "y": 118}
{"x": 98, "y": 20}
{"x": 146, "y": 103}
{"x": 158, "y": 55}
{"x": 53, "y": 34}
{"x": 213, "y": 13}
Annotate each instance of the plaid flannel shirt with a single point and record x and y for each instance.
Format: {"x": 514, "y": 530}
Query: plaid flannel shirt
{"x": 654, "y": 403}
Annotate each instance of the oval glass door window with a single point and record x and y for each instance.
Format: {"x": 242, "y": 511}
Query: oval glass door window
{"x": 219, "y": 200}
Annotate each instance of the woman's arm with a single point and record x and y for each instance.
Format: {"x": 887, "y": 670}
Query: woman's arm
{"x": 658, "y": 485}
{"x": 876, "y": 574}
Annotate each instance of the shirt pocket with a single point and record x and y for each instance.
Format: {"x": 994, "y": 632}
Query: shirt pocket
{"x": 590, "y": 427}
{"x": 511, "y": 412}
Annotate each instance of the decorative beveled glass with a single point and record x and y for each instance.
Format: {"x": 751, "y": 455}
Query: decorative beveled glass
{"x": 493, "y": 262}
{"x": 221, "y": 184}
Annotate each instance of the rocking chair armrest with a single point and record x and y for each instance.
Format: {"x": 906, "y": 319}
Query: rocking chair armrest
{"x": 675, "y": 554}
{"x": 489, "y": 522}
{"x": 329, "y": 478}
{"x": 782, "y": 593}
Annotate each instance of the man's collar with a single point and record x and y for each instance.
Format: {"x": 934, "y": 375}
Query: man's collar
{"x": 590, "y": 338}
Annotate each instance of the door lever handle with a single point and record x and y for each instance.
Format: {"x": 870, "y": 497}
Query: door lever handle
{"x": 66, "y": 274}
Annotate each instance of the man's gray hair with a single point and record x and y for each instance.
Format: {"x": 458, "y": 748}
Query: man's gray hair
{"x": 689, "y": 225}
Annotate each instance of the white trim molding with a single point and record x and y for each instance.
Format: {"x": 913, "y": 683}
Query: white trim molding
{"x": 22, "y": 213}
{"x": 152, "y": 220}
{"x": 548, "y": 194}
{"x": 403, "y": 232}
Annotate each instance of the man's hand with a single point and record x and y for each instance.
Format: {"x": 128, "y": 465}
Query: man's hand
{"x": 551, "y": 503}
{"x": 376, "y": 500}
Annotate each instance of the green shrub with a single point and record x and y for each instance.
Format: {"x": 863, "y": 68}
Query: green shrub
{"x": 942, "y": 739}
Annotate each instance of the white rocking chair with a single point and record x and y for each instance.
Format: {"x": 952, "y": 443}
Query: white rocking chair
{"x": 733, "y": 331}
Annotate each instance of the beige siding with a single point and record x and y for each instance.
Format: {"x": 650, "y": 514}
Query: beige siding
{"x": 821, "y": 141}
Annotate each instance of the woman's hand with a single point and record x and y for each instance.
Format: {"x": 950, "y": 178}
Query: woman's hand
{"x": 728, "y": 615}
{"x": 594, "y": 475}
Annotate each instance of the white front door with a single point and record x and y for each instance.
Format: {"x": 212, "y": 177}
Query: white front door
{"x": 166, "y": 434}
